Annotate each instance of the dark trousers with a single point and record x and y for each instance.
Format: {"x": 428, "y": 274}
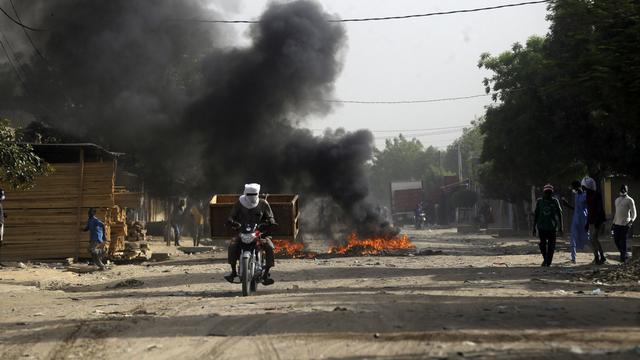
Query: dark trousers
{"x": 620, "y": 233}
{"x": 594, "y": 234}
{"x": 95, "y": 248}
{"x": 233, "y": 253}
{"x": 547, "y": 245}
{"x": 195, "y": 233}
{"x": 176, "y": 233}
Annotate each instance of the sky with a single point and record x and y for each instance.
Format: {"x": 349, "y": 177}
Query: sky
{"x": 410, "y": 59}
{"x": 414, "y": 59}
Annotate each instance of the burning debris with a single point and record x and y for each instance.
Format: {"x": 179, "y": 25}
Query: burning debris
{"x": 354, "y": 246}
{"x": 292, "y": 250}
{"x": 373, "y": 246}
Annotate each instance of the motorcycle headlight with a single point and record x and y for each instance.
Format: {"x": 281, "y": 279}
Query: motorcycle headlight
{"x": 246, "y": 238}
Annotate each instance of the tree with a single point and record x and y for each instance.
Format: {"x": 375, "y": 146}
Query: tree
{"x": 470, "y": 145}
{"x": 404, "y": 159}
{"x": 19, "y": 165}
{"x": 566, "y": 104}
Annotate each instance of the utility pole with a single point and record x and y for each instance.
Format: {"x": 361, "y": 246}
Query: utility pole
{"x": 459, "y": 163}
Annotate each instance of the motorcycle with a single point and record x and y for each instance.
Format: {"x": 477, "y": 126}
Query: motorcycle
{"x": 420, "y": 219}
{"x": 252, "y": 259}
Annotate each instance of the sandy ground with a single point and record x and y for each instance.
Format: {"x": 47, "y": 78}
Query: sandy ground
{"x": 482, "y": 298}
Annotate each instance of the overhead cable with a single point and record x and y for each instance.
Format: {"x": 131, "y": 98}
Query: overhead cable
{"x": 15, "y": 11}
{"x": 403, "y": 101}
{"x": 381, "y": 18}
{"x": 19, "y": 22}
{"x": 409, "y": 130}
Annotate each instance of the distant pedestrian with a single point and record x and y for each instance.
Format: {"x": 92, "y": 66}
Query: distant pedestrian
{"x": 197, "y": 223}
{"x": 595, "y": 218}
{"x": 623, "y": 220}
{"x": 96, "y": 238}
{"x": 3, "y": 215}
{"x": 177, "y": 220}
{"x": 579, "y": 236}
{"x": 547, "y": 222}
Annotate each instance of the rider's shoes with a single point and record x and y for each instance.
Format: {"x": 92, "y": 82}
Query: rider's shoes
{"x": 230, "y": 277}
{"x": 267, "y": 280}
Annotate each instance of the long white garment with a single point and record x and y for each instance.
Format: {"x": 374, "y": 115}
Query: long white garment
{"x": 625, "y": 210}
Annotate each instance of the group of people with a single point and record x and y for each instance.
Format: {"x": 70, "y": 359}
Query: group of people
{"x": 586, "y": 224}
{"x": 178, "y": 219}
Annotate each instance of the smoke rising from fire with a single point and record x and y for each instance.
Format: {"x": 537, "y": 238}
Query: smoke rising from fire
{"x": 196, "y": 115}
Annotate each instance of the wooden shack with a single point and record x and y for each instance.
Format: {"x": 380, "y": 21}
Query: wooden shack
{"x": 285, "y": 210}
{"x": 45, "y": 222}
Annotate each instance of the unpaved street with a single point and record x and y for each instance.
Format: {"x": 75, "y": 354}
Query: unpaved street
{"x": 482, "y": 298}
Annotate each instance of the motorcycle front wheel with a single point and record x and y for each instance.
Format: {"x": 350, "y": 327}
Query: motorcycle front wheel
{"x": 245, "y": 277}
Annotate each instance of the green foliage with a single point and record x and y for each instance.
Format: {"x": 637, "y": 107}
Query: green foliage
{"x": 19, "y": 166}
{"x": 470, "y": 144}
{"x": 401, "y": 160}
{"x": 566, "y": 104}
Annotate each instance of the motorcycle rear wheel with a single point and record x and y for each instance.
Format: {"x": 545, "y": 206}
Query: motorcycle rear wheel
{"x": 245, "y": 277}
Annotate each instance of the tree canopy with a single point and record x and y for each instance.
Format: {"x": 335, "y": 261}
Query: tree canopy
{"x": 566, "y": 104}
{"x": 19, "y": 165}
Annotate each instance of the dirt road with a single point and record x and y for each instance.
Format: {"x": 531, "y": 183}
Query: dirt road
{"x": 482, "y": 298}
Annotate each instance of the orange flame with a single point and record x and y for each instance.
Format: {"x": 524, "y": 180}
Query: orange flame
{"x": 372, "y": 246}
{"x": 288, "y": 248}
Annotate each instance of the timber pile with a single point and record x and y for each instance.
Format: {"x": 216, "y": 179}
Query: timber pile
{"x": 137, "y": 232}
{"x": 45, "y": 221}
{"x": 117, "y": 222}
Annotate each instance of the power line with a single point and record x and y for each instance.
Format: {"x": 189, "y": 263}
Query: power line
{"x": 15, "y": 69}
{"x": 383, "y": 18}
{"x": 444, "y": 132}
{"x": 459, "y": 127}
{"x": 19, "y": 22}
{"x": 15, "y": 11}
{"x": 405, "y": 101}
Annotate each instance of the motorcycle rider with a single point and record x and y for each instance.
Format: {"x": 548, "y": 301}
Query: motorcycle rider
{"x": 250, "y": 209}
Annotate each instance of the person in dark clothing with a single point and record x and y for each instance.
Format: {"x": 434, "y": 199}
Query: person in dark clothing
{"x": 547, "y": 221}
{"x": 250, "y": 209}
{"x": 177, "y": 219}
{"x": 595, "y": 218}
{"x": 96, "y": 238}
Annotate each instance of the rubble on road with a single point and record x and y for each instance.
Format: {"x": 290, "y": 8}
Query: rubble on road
{"x": 629, "y": 272}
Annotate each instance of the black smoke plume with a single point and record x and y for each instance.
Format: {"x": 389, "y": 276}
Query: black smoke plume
{"x": 195, "y": 115}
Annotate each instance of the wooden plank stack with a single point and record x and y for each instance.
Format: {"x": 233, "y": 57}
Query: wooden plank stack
{"x": 45, "y": 221}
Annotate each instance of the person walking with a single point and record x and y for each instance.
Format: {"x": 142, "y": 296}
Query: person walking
{"x": 595, "y": 218}
{"x": 579, "y": 236}
{"x": 197, "y": 224}
{"x": 96, "y": 238}
{"x": 2, "y": 217}
{"x": 547, "y": 222}
{"x": 177, "y": 219}
{"x": 623, "y": 220}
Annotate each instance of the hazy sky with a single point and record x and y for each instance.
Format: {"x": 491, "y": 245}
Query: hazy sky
{"x": 415, "y": 59}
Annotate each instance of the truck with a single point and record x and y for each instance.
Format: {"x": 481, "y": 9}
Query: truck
{"x": 405, "y": 197}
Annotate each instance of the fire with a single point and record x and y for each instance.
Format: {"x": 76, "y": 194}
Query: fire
{"x": 372, "y": 246}
{"x": 286, "y": 248}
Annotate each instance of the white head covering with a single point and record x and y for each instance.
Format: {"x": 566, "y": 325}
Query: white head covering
{"x": 250, "y": 201}
{"x": 589, "y": 183}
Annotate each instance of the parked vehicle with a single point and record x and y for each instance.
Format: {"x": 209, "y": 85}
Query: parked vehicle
{"x": 405, "y": 197}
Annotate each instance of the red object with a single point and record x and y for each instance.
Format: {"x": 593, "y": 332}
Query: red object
{"x": 406, "y": 200}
